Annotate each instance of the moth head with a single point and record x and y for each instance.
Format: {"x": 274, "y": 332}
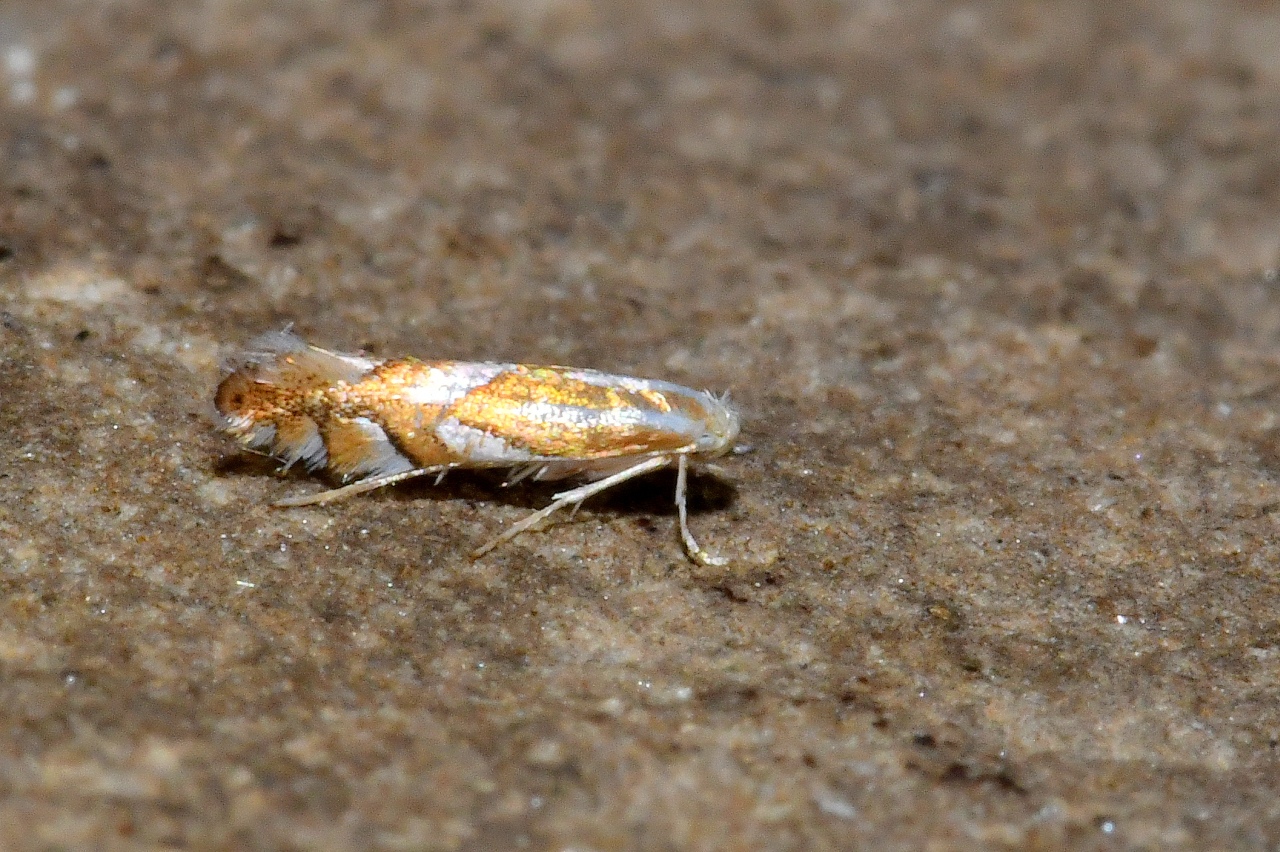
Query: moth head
{"x": 723, "y": 425}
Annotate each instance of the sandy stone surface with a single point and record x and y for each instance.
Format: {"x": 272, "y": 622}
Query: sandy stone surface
{"x": 994, "y": 285}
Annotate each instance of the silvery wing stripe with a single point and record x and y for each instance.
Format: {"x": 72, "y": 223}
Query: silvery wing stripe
{"x": 634, "y": 385}
{"x": 575, "y": 417}
{"x": 383, "y": 458}
{"x": 447, "y": 386}
{"x": 476, "y": 446}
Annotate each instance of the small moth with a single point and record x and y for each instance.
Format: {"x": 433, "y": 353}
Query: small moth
{"x": 373, "y": 423}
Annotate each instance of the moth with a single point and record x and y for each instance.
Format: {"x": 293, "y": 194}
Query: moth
{"x": 372, "y": 423}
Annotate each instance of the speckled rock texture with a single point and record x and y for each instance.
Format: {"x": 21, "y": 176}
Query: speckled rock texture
{"x": 994, "y": 285}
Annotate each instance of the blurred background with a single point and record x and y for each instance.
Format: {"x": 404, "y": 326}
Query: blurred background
{"x": 993, "y": 283}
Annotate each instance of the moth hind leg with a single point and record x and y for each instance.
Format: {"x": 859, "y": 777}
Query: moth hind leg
{"x": 343, "y": 492}
{"x": 574, "y": 497}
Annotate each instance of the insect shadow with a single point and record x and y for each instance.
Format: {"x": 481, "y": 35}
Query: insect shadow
{"x": 652, "y": 494}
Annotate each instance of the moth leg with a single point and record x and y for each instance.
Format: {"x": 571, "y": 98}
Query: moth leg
{"x": 691, "y": 546}
{"x": 574, "y": 497}
{"x": 522, "y": 473}
{"x": 345, "y": 491}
